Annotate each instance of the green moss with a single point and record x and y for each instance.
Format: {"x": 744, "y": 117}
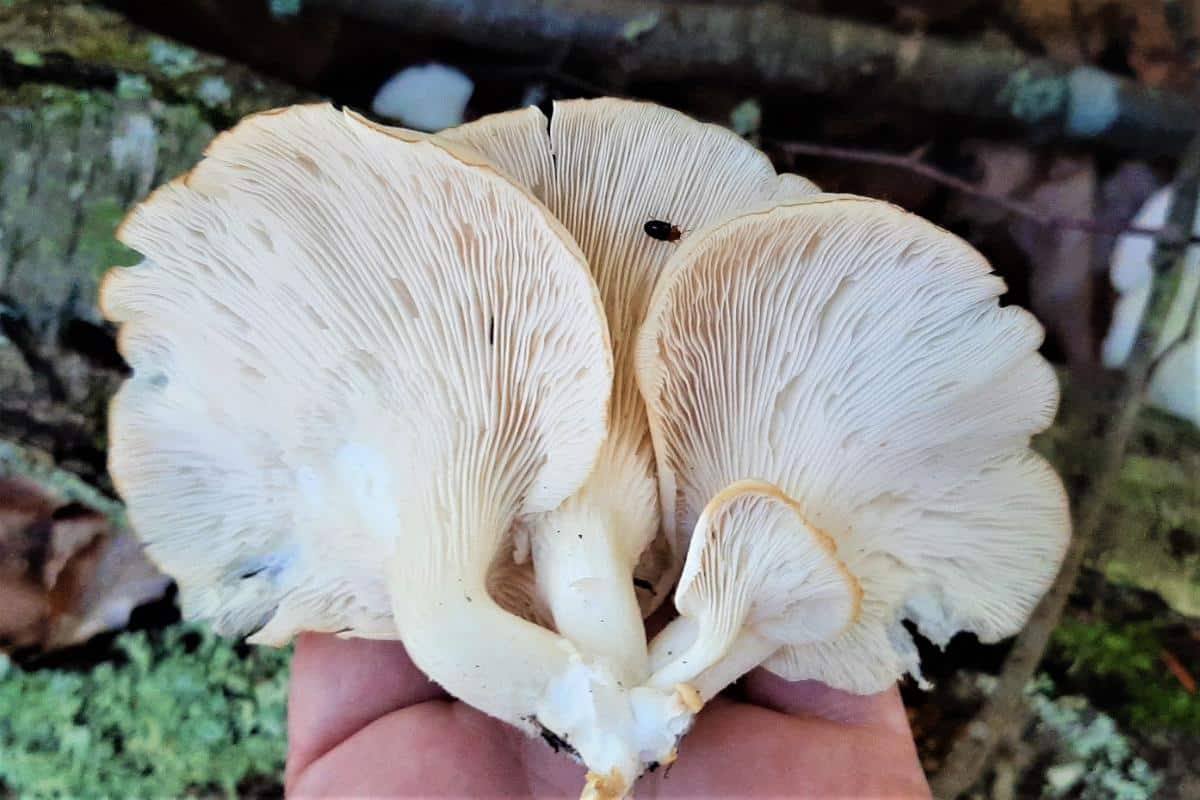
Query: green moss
{"x": 28, "y": 58}
{"x": 80, "y": 30}
{"x": 1128, "y": 655}
{"x": 1154, "y": 539}
{"x": 98, "y": 245}
{"x": 181, "y": 712}
{"x": 95, "y": 37}
{"x": 62, "y": 107}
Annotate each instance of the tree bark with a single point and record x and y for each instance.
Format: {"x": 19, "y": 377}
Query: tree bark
{"x": 779, "y": 47}
{"x": 94, "y": 112}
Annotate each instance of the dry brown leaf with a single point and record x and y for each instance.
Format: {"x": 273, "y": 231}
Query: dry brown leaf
{"x": 1003, "y": 170}
{"x": 1122, "y": 194}
{"x": 1069, "y": 30}
{"x": 1061, "y": 281}
{"x": 1082, "y": 31}
{"x": 1155, "y": 52}
{"x": 1175, "y": 666}
{"x": 66, "y": 573}
{"x": 1065, "y": 266}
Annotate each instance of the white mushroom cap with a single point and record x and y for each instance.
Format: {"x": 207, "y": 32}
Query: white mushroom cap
{"x": 604, "y": 168}
{"x": 855, "y": 356}
{"x": 757, "y": 578}
{"x": 337, "y": 338}
{"x": 359, "y": 361}
{"x": 1175, "y": 384}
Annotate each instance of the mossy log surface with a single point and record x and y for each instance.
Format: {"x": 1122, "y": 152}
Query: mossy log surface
{"x": 1151, "y": 539}
{"x": 86, "y": 46}
{"x": 94, "y": 113}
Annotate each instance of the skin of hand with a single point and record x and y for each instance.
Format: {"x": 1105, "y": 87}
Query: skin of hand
{"x": 364, "y": 722}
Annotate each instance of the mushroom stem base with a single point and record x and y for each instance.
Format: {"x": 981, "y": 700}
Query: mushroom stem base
{"x": 537, "y": 680}
{"x": 617, "y": 731}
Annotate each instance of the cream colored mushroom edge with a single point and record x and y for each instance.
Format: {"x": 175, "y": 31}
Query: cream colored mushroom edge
{"x": 853, "y": 359}
{"x": 445, "y": 389}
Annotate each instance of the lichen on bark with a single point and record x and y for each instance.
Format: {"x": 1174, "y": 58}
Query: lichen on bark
{"x": 83, "y": 45}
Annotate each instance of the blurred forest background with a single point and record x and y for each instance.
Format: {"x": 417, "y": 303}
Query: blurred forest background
{"x": 1035, "y": 129}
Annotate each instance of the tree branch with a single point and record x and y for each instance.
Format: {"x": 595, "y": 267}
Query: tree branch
{"x": 914, "y": 164}
{"x": 772, "y": 44}
{"x": 999, "y": 719}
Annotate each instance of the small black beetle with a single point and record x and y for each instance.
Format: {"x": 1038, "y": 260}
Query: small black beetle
{"x": 662, "y": 231}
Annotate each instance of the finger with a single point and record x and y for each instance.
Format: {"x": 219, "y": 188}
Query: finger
{"x": 439, "y": 750}
{"x": 736, "y": 750}
{"x": 815, "y": 699}
{"x": 338, "y": 686}
{"x": 396, "y": 756}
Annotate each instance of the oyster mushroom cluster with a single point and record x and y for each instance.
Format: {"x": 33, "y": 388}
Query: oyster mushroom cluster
{"x": 447, "y": 389}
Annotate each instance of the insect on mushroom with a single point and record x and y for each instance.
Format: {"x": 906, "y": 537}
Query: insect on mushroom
{"x": 662, "y": 231}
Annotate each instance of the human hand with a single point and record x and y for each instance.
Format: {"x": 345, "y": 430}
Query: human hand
{"x": 363, "y": 721}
